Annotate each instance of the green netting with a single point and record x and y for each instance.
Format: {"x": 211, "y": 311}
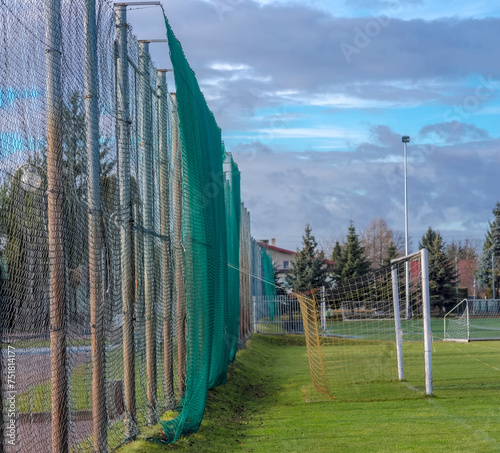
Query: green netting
{"x": 233, "y": 214}
{"x": 269, "y": 287}
{"x": 148, "y": 297}
{"x": 205, "y": 247}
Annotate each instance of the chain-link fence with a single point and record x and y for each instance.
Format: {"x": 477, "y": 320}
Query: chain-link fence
{"x": 127, "y": 265}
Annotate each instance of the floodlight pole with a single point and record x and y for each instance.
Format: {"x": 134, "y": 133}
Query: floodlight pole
{"x": 405, "y": 139}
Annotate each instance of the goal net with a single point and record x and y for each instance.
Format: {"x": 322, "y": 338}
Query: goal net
{"x": 473, "y": 320}
{"x": 365, "y": 335}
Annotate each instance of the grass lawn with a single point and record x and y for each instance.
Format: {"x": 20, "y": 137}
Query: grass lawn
{"x": 262, "y": 408}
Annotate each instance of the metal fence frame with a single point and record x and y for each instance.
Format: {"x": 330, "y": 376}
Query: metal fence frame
{"x": 276, "y": 315}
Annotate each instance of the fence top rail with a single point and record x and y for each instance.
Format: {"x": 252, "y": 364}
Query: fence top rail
{"x": 483, "y": 300}
{"x": 278, "y": 298}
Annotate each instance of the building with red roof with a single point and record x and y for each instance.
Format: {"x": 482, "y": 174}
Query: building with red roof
{"x": 283, "y": 258}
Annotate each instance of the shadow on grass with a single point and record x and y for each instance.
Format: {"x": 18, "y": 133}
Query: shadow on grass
{"x": 247, "y": 393}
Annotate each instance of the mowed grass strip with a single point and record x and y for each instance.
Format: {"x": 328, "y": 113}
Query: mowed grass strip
{"x": 262, "y": 408}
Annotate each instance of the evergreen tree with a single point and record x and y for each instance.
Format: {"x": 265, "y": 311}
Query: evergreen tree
{"x": 75, "y": 190}
{"x": 352, "y": 262}
{"x": 442, "y": 275}
{"x": 392, "y": 253}
{"x": 25, "y": 294}
{"x": 280, "y": 290}
{"x": 496, "y": 231}
{"x": 491, "y": 251}
{"x": 23, "y": 221}
{"x": 308, "y": 267}
{"x": 337, "y": 252}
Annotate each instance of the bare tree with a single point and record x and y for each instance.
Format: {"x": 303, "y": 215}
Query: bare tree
{"x": 469, "y": 249}
{"x": 398, "y": 237}
{"x": 376, "y": 241}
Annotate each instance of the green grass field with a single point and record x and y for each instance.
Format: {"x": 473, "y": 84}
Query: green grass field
{"x": 264, "y": 407}
{"x": 383, "y": 329}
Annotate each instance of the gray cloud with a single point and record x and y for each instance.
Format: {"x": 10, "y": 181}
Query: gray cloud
{"x": 386, "y": 136}
{"x": 454, "y": 131}
{"x": 252, "y": 149}
{"x": 451, "y": 188}
{"x": 299, "y": 46}
{"x": 381, "y": 4}
{"x": 291, "y": 54}
{"x": 294, "y": 47}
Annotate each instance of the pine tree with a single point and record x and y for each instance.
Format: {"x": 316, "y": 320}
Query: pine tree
{"x": 280, "y": 290}
{"x": 491, "y": 251}
{"x": 23, "y": 222}
{"x": 308, "y": 268}
{"x": 392, "y": 253}
{"x": 496, "y": 232}
{"x": 25, "y": 295}
{"x": 442, "y": 275}
{"x": 337, "y": 252}
{"x": 352, "y": 262}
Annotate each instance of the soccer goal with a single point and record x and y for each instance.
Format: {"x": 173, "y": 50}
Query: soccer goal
{"x": 473, "y": 320}
{"x": 366, "y": 335}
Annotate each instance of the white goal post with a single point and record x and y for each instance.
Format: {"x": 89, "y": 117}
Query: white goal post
{"x": 426, "y": 315}
{"x": 355, "y": 330}
{"x": 473, "y": 320}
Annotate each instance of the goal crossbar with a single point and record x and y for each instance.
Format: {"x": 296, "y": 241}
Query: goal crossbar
{"x": 407, "y": 257}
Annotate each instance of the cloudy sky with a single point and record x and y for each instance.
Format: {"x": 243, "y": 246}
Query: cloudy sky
{"x": 313, "y": 97}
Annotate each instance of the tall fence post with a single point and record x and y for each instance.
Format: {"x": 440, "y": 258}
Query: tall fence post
{"x": 248, "y": 248}
{"x": 55, "y": 199}
{"x": 254, "y": 314}
{"x": 95, "y": 246}
{"x": 166, "y": 255}
{"x": 245, "y": 272}
{"x": 147, "y": 190}
{"x": 125, "y": 219}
